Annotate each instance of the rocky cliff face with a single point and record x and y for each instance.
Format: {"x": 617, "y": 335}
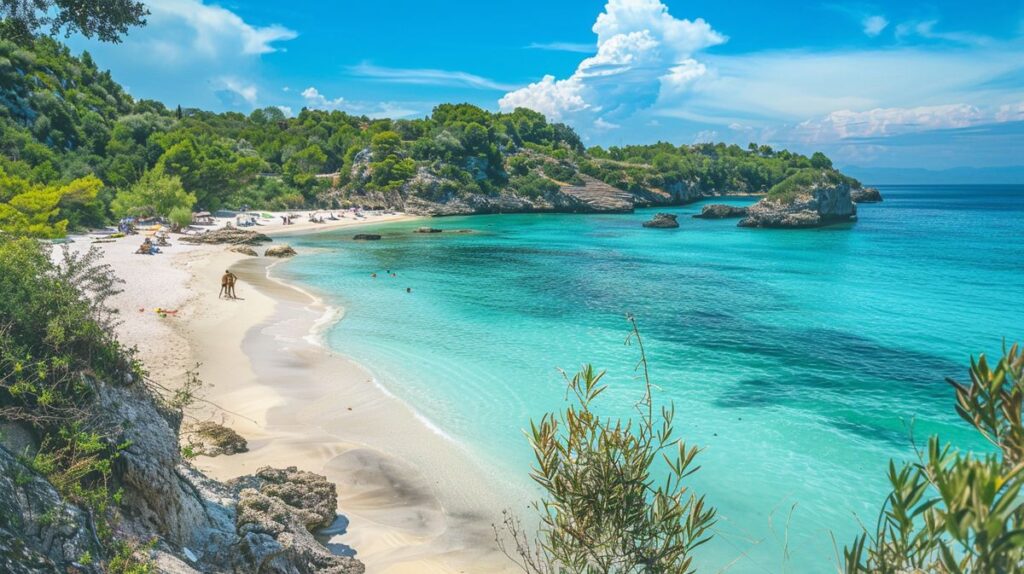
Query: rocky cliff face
{"x": 259, "y": 524}
{"x": 815, "y": 206}
{"x": 866, "y": 195}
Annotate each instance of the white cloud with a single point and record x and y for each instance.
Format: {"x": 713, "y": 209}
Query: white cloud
{"x": 430, "y": 77}
{"x": 562, "y": 47}
{"x": 216, "y": 31}
{"x": 192, "y": 52}
{"x": 874, "y": 25}
{"x": 926, "y": 29}
{"x": 246, "y": 91}
{"x": 881, "y": 122}
{"x": 286, "y": 110}
{"x": 641, "y": 48}
{"x": 316, "y": 100}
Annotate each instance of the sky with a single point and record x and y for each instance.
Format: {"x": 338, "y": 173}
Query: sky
{"x": 882, "y": 84}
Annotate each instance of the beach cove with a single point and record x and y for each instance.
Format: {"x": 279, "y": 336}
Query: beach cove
{"x": 409, "y": 498}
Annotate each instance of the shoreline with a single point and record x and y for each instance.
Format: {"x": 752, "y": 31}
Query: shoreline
{"x": 411, "y": 498}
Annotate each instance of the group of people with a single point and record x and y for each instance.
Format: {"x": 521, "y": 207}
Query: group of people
{"x": 390, "y": 274}
{"x": 227, "y": 285}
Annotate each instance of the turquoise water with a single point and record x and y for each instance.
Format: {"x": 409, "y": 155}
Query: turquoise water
{"x": 797, "y": 359}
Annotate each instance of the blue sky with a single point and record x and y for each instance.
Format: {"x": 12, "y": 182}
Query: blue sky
{"x": 886, "y": 84}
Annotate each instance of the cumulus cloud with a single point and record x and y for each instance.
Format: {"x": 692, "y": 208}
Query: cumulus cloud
{"x": 213, "y": 31}
{"x": 641, "y": 50}
{"x": 316, "y": 100}
{"x": 874, "y": 25}
{"x": 194, "y": 50}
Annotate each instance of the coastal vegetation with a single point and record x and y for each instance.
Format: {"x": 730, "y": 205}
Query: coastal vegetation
{"x": 67, "y": 123}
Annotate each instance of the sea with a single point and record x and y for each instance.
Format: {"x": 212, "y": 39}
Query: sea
{"x": 800, "y": 361}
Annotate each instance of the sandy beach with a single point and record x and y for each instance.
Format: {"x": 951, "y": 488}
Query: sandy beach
{"x": 410, "y": 499}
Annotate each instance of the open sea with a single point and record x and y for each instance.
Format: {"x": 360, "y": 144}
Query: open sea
{"x": 798, "y": 359}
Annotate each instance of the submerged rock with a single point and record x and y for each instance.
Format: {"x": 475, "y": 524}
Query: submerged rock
{"x": 366, "y": 237}
{"x": 208, "y": 438}
{"x": 428, "y": 230}
{"x": 280, "y": 251}
{"x": 822, "y": 203}
{"x": 866, "y": 195}
{"x": 721, "y": 211}
{"x": 663, "y": 221}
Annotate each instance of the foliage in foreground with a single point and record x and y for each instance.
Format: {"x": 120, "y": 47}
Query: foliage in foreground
{"x": 953, "y": 512}
{"x": 603, "y": 511}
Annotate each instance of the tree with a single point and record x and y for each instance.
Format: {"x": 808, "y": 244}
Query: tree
{"x": 953, "y": 512}
{"x": 42, "y": 210}
{"x": 156, "y": 194}
{"x": 603, "y": 512}
{"x": 107, "y": 20}
{"x": 820, "y": 161}
{"x": 385, "y": 144}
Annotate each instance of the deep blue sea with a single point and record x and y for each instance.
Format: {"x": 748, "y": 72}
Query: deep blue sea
{"x": 797, "y": 359}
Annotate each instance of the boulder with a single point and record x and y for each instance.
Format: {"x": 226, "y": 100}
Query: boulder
{"x": 244, "y": 250}
{"x": 228, "y": 235}
{"x": 366, "y": 237}
{"x": 822, "y": 203}
{"x": 278, "y": 511}
{"x": 663, "y": 221}
{"x": 721, "y": 211}
{"x": 280, "y": 251}
{"x": 428, "y": 230}
{"x": 866, "y": 195}
{"x": 208, "y": 438}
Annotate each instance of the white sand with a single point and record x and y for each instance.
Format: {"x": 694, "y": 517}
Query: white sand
{"x": 415, "y": 500}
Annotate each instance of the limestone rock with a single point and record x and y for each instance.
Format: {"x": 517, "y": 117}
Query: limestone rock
{"x": 280, "y": 251}
{"x": 428, "y": 230}
{"x": 278, "y": 510}
{"x": 366, "y": 237}
{"x": 39, "y": 532}
{"x": 663, "y": 221}
{"x": 822, "y": 203}
{"x": 866, "y": 195}
{"x": 721, "y": 211}
{"x": 244, "y": 250}
{"x": 228, "y": 235}
{"x": 208, "y": 438}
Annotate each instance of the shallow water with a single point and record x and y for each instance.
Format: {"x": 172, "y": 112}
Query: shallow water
{"x": 797, "y": 359}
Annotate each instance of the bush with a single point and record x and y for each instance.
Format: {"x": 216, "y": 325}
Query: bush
{"x": 958, "y": 512}
{"x": 603, "y": 512}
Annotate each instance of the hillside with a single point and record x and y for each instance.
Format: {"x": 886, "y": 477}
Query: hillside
{"x": 76, "y": 149}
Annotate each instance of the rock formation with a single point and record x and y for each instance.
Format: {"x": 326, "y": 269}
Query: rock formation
{"x": 244, "y": 250}
{"x": 280, "y": 251}
{"x": 822, "y": 203}
{"x": 229, "y": 235}
{"x": 721, "y": 211}
{"x": 366, "y": 237}
{"x": 208, "y": 438}
{"x": 663, "y": 221}
{"x": 866, "y": 195}
{"x": 428, "y": 230}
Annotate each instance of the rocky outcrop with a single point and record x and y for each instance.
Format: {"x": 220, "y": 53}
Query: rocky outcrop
{"x": 278, "y": 510}
{"x": 866, "y": 195}
{"x": 366, "y": 237}
{"x": 208, "y": 438}
{"x": 721, "y": 211}
{"x": 260, "y": 524}
{"x": 39, "y": 533}
{"x": 663, "y": 221}
{"x": 428, "y": 230}
{"x": 244, "y": 250}
{"x": 228, "y": 235}
{"x": 280, "y": 251}
{"x": 821, "y": 204}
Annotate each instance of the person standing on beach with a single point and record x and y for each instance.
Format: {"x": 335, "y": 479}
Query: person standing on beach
{"x": 224, "y": 283}
{"x": 232, "y": 279}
